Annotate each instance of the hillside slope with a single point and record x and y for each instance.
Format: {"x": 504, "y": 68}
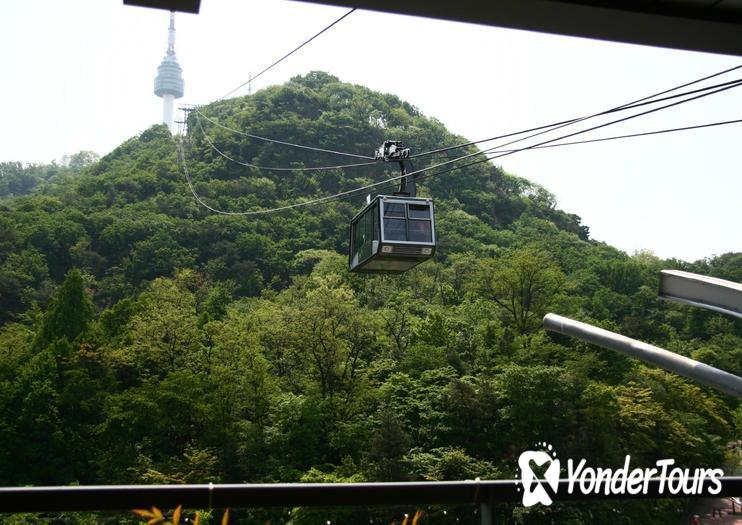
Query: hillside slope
{"x": 144, "y": 338}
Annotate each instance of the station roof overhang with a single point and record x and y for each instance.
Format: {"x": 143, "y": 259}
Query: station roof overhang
{"x": 713, "y": 26}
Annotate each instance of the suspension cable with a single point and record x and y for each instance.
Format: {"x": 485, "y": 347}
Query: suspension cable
{"x": 247, "y": 164}
{"x": 628, "y": 105}
{"x": 284, "y": 143}
{"x": 288, "y": 54}
{"x": 320, "y": 200}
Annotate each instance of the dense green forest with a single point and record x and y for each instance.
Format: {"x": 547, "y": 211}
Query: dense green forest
{"x": 144, "y": 339}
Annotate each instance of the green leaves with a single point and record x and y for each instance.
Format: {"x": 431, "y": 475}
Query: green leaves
{"x": 164, "y": 333}
{"x": 69, "y": 313}
{"x": 523, "y": 283}
{"x": 241, "y": 349}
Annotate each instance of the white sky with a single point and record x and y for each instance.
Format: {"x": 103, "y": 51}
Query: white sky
{"x": 78, "y": 75}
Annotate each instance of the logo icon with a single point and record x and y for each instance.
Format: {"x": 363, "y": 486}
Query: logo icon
{"x": 539, "y": 477}
{"x": 539, "y": 488}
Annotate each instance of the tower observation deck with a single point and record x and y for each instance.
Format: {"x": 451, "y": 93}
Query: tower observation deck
{"x": 169, "y": 80}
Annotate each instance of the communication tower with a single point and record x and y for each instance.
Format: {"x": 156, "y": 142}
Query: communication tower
{"x": 169, "y": 80}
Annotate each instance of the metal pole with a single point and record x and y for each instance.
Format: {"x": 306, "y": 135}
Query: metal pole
{"x": 711, "y": 293}
{"x": 684, "y": 366}
{"x": 485, "y": 509}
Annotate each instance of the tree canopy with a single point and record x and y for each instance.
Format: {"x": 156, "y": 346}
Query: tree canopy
{"x": 145, "y": 339}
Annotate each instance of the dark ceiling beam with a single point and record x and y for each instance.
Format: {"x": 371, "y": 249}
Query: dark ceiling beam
{"x": 666, "y": 25}
{"x": 185, "y": 6}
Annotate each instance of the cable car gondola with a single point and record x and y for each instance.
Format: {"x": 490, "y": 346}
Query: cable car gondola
{"x": 393, "y": 233}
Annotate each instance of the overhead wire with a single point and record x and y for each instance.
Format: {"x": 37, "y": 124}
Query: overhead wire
{"x": 392, "y": 183}
{"x": 634, "y": 135}
{"x": 458, "y": 159}
{"x": 558, "y": 125}
{"x": 709, "y": 90}
{"x": 726, "y": 86}
{"x": 289, "y": 53}
{"x": 543, "y": 129}
{"x": 269, "y": 168}
{"x": 386, "y": 182}
{"x": 257, "y": 137}
{"x": 624, "y": 119}
{"x": 549, "y": 142}
{"x": 578, "y": 142}
{"x": 284, "y": 143}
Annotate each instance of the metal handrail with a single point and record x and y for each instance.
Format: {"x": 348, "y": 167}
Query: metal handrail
{"x": 207, "y": 496}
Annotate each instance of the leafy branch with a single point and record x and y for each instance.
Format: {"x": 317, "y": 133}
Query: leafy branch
{"x": 154, "y": 516}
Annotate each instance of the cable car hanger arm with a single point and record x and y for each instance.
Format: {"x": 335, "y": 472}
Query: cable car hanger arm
{"x": 395, "y": 151}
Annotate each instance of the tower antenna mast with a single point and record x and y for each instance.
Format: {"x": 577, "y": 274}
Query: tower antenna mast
{"x": 169, "y": 83}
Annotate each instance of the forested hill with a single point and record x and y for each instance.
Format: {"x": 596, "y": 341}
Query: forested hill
{"x": 144, "y": 338}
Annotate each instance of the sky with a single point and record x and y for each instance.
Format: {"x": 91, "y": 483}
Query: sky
{"x": 78, "y": 75}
